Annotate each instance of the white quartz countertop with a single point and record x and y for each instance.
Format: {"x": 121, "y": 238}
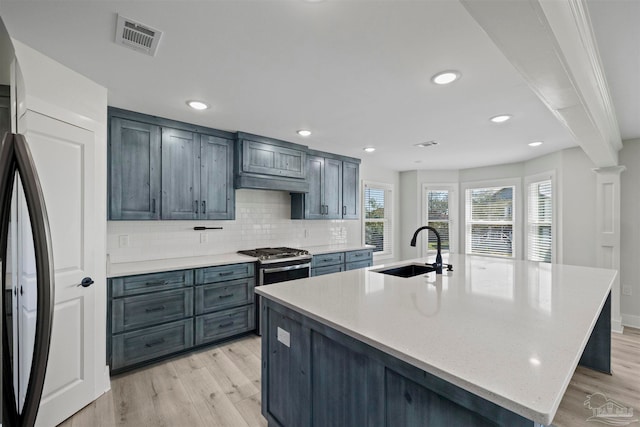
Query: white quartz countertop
{"x": 158, "y": 265}
{"x": 511, "y": 332}
{"x": 169, "y": 264}
{"x": 326, "y": 249}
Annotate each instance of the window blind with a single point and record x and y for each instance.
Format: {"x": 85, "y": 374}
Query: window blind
{"x": 489, "y": 221}
{"x": 438, "y": 217}
{"x": 540, "y": 221}
{"x": 377, "y": 218}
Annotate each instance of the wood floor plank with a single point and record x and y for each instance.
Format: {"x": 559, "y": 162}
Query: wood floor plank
{"x": 133, "y": 401}
{"x": 210, "y": 401}
{"x": 234, "y": 382}
{"x": 245, "y": 360}
{"x": 254, "y": 344}
{"x": 250, "y": 410}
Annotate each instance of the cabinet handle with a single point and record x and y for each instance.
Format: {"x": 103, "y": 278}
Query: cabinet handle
{"x": 151, "y": 310}
{"x": 204, "y": 206}
{"x": 196, "y": 205}
{"x": 358, "y": 255}
{"x": 157, "y": 282}
{"x": 226, "y": 273}
{"x": 154, "y": 343}
{"x": 153, "y": 205}
{"x": 225, "y": 296}
{"x": 344, "y": 210}
{"x": 226, "y": 325}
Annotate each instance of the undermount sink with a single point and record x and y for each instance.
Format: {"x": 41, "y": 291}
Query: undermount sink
{"x": 407, "y": 270}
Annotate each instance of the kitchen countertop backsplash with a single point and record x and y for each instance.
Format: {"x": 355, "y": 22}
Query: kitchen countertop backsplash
{"x": 262, "y": 220}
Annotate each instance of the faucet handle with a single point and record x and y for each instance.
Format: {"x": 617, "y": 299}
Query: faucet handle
{"x": 449, "y": 267}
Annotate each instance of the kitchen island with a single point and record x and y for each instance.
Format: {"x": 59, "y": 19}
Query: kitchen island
{"x": 495, "y": 342}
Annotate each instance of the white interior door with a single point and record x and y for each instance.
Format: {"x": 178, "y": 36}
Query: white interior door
{"x": 64, "y": 158}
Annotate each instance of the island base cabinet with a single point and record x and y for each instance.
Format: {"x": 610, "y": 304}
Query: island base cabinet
{"x": 313, "y": 375}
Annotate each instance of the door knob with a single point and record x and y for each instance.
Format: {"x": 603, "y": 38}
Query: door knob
{"x": 86, "y": 282}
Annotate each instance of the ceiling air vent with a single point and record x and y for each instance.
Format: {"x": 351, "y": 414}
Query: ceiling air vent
{"x": 137, "y": 36}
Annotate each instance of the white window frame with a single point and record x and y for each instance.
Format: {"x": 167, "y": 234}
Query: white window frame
{"x": 531, "y": 179}
{"x": 516, "y": 183}
{"x": 388, "y": 220}
{"x": 453, "y": 217}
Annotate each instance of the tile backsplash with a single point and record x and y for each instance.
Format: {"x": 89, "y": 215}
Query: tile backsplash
{"x": 262, "y": 219}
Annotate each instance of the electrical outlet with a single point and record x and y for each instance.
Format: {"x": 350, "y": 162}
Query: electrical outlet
{"x": 123, "y": 241}
{"x": 306, "y": 233}
{"x": 204, "y": 237}
{"x": 626, "y": 290}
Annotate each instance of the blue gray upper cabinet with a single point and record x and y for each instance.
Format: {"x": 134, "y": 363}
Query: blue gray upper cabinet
{"x": 164, "y": 169}
{"x": 180, "y": 174}
{"x": 270, "y": 164}
{"x": 134, "y": 170}
{"x": 333, "y": 188}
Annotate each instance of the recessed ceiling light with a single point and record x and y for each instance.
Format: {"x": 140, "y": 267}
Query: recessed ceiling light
{"x": 535, "y": 144}
{"x": 304, "y": 132}
{"x": 501, "y": 118}
{"x": 197, "y": 105}
{"x": 426, "y": 144}
{"x": 369, "y": 149}
{"x": 445, "y": 77}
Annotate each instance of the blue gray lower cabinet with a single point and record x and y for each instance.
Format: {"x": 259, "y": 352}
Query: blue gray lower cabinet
{"x": 341, "y": 261}
{"x": 151, "y": 316}
{"x": 316, "y": 376}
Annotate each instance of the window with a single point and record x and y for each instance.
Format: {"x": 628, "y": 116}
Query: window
{"x": 489, "y": 221}
{"x": 438, "y": 216}
{"x": 377, "y": 217}
{"x": 540, "y": 221}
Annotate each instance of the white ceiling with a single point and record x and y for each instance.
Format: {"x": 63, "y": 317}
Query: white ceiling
{"x": 356, "y": 73}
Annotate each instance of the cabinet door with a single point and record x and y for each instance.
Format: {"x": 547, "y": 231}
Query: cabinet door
{"x": 350, "y": 199}
{"x": 134, "y": 190}
{"x": 180, "y": 174}
{"x": 314, "y": 204}
{"x": 332, "y": 189}
{"x": 216, "y": 178}
{"x": 268, "y": 159}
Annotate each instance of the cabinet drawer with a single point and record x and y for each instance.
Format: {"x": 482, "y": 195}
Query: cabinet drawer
{"x": 133, "y": 285}
{"x": 354, "y": 256}
{"x": 319, "y": 271}
{"x": 327, "y": 259}
{"x": 224, "y": 272}
{"x": 150, "y": 309}
{"x": 146, "y": 344}
{"x": 212, "y": 327}
{"x": 218, "y": 296}
{"x": 358, "y": 264}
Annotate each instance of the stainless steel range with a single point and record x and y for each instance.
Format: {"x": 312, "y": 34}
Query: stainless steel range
{"x": 278, "y": 265}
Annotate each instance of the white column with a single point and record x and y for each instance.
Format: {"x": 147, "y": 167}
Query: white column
{"x": 608, "y": 232}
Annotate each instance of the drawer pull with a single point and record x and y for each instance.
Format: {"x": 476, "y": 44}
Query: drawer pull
{"x": 226, "y": 273}
{"x": 151, "y": 310}
{"x": 225, "y": 296}
{"x": 226, "y": 325}
{"x": 154, "y": 343}
{"x": 358, "y": 255}
{"x": 156, "y": 282}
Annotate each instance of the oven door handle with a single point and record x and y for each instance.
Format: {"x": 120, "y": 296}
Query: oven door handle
{"x": 288, "y": 268}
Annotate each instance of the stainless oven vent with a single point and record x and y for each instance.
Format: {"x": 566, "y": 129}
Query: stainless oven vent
{"x": 137, "y": 36}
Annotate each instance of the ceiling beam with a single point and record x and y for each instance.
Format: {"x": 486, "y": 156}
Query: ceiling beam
{"x": 551, "y": 44}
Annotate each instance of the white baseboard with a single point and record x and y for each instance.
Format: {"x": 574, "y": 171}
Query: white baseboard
{"x": 631, "y": 320}
{"x": 616, "y": 326}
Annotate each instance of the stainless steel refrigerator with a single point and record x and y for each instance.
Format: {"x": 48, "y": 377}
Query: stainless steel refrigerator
{"x": 22, "y": 374}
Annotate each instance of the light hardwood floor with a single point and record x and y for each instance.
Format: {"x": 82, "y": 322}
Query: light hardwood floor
{"x": 220, "y": 386}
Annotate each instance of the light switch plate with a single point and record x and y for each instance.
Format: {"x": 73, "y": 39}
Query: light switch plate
{"x": 204, "y": 237}
{"x": 284, "y": 337}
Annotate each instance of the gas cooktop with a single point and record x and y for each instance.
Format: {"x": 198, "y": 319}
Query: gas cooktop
{"x": 274, "y": 253}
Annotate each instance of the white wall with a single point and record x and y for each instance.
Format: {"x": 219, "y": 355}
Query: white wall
{"x": 630, "y": 233}
{"x": 576, "y": 199}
